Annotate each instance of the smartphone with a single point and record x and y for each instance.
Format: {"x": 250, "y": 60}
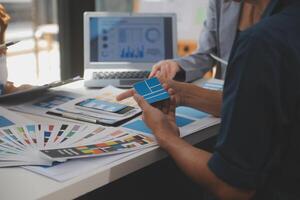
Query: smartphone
{"x": 96, "y": 104}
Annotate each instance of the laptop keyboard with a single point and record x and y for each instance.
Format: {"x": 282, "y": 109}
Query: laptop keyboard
{"x": 121, "y": 75}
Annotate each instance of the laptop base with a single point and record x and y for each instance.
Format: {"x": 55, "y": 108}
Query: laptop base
{"x": 122, "y": 83}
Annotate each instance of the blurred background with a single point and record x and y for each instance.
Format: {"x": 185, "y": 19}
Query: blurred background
{"x": 51, "y": 33}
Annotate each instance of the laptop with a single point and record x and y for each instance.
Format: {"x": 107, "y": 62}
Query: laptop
{"x": 121, "y": 48}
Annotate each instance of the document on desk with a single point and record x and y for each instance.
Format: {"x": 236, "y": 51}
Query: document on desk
{"x": 8, "y": 118}
{"x": 61, "y": 105}
{"x": 41, "y": 105}
{"x": 201, "y": 119}
{"x": 73, "y": 168}
{"x": 189, "y": 120}
{"x": 212, "y": 84}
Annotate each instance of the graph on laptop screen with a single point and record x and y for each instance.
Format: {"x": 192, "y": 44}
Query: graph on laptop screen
{"x": 130, "y": 39}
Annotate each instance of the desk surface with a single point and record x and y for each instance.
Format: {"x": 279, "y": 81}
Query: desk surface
{"x": 18, "y": 183}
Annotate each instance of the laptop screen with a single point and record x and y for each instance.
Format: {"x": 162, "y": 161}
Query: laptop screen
{"x": 130, "y": 38}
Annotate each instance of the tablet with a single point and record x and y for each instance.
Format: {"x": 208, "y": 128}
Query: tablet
{"x": 35, "y": 90}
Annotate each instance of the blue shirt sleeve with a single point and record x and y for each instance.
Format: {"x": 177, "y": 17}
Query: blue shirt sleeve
{"x": 243, "y": 153}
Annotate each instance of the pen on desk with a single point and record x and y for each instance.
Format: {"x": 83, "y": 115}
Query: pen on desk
{"x": 71, "y": 116}
{"x": 218, "y": 59}
{"x": 5, "y": 45}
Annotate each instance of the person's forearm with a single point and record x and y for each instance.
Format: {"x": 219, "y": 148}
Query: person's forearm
{"x": 209, "y": 101}
{"x": 193, "y": 162}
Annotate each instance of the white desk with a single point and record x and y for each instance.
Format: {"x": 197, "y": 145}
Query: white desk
{"x": 18, "y": 183}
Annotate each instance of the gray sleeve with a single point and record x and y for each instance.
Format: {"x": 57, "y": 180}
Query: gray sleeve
{"x": 198, "y": 63}
{"x": 3, "y": 69}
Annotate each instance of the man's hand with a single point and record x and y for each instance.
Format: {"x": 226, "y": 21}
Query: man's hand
{"x": 166, "y": 69}
{"x": 11, "y": 88}
{"x": 161, "y": 122}
{"x": 125, "y": 95}
{"x": 178, "y": 90}
{"x": 4, "y": 19}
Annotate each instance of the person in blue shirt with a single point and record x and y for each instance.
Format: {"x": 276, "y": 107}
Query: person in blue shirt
{"x": 258, "y": 147}
{"x": 216, "y": 38}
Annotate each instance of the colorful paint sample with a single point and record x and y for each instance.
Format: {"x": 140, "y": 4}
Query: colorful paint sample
{"x": 121, "y": 145}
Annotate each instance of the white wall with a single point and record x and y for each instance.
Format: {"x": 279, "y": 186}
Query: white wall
{"x": 190, "y": 14}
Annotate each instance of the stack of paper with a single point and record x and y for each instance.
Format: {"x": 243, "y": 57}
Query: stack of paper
{"x": 63, "y": 104}
{"x": 42, "y": 144}
{"x": 107, "y": 94}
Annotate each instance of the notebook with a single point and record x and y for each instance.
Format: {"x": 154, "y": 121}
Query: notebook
{"x": 121, "y": 48}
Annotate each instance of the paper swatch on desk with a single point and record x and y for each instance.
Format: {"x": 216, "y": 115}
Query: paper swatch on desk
{"x": 201, "y": 119}
{"x": 189, "y": 120}
{"x": 139, "y": 125}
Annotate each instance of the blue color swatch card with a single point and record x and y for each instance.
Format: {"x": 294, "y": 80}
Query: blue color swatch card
{"x": 139, "y": 125}
{"x": 152, "y": 90}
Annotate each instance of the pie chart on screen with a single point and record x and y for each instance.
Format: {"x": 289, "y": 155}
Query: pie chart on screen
{"x": 153, "y": 35}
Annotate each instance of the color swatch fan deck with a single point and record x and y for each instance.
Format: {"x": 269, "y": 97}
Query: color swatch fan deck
{"x": 42, "y": 144}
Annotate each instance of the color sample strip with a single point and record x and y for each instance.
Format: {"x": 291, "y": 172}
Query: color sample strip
{"x": 71, "y": 133}
{"x": 63, "y": 128}
{"x": 123, "y": 144}
{"x": 152, "y": 90}
{"x": 31, "y": 129}
{"x": 22, "y": 133}
{"x": 47, "y": 133}
{"x": 8, "y": 142}
{"x": 11, "y": 135}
